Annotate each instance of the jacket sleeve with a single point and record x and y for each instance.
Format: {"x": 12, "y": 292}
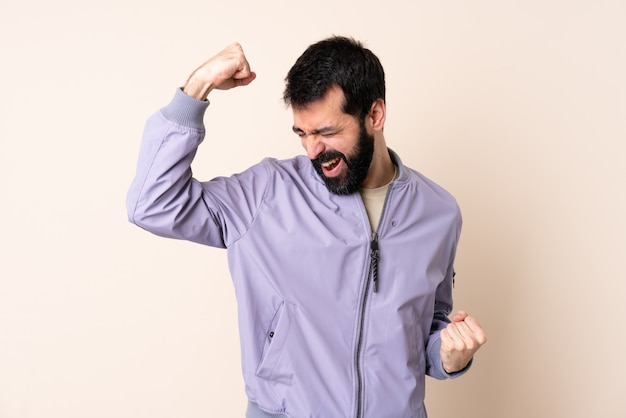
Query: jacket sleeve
{"x": 166, "y": 200}
{"x": 443, "y": 308}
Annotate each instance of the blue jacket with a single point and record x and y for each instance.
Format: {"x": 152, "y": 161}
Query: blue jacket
{"x": 334, "y": 321}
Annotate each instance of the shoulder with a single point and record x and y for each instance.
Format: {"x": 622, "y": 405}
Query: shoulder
{"x": 425, "y": 195}
{"x": 422, "y": 184}
{"x": 298, "y": 167}
{"x": 275, "y": 173}
{"x": 426, "y": 184}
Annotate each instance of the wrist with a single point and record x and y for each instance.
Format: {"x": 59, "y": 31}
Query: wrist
{"x": 197, "y": 90}
{"x": 456, "y": 370}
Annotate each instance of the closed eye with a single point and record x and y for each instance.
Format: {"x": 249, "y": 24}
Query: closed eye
{"x": 326, "y": 132}
{"x": 298, "y": 132}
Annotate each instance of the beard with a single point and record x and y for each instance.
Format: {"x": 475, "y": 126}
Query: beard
{"x": 357, "y": 165}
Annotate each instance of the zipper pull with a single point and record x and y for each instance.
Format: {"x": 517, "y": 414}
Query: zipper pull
{"x": 374, "y": 255}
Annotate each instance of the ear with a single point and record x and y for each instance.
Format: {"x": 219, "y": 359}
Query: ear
{"x": 377, "y": 114}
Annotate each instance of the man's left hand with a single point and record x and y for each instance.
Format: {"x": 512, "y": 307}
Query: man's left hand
{"x": 459, "y": 341}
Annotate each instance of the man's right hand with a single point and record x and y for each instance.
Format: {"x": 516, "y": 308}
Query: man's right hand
{"x": 228, "y": 69}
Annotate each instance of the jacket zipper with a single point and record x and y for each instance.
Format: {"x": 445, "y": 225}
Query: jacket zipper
{"x": 374, "y": 256}
{"x": 359, "y": 346}
{"x": 373, "y": 274}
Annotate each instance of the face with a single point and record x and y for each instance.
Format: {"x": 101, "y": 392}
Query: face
{"x": 338, "y": 144}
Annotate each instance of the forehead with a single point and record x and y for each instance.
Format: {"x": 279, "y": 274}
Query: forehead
{"x": 327, "y": 111}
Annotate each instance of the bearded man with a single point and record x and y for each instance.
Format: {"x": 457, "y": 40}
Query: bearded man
{"x": 342, "y": 260}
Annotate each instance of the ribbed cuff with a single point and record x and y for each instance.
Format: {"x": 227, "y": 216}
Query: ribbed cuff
{"x": 436, "y": 369}
{"x": 185, "y": 110}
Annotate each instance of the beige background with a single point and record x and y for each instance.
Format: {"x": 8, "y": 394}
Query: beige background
{"x": 517, "y": 107}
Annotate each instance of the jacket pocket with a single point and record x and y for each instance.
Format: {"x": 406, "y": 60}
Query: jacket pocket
{"x": 275, "y": 365}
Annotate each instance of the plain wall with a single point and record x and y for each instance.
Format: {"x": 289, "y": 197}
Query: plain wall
{"x": 516, "y": 107}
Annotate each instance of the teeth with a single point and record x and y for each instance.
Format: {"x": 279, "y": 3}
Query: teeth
{"x": 329, "y": 163}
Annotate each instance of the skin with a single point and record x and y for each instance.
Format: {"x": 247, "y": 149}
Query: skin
{"x": 323, "y": 126}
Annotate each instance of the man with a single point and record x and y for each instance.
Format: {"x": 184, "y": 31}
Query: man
{"x": 342, "y": 262}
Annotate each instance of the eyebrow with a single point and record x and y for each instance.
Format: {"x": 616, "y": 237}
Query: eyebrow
{"x": 322, "y": 130}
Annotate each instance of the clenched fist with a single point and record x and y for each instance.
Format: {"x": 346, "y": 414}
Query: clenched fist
{"x": 459, "y": 342}
{"x": 228, "y": 69}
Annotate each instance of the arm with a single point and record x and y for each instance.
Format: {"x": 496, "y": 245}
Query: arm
{"x": 451, "y": 343}
{"x": 164, "y": 198}
{"x": 443, "y": 308}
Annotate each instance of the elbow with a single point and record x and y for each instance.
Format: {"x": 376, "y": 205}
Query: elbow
{"x": 143, "y": 210}
{"x": 139, "y": 214}
{"x": 140, "y": 217}
{"x": 154, "y": 218}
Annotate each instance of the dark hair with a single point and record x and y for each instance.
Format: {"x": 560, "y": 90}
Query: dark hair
{"x": 336, "y": 61}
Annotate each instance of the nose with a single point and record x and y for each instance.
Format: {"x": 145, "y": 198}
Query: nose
{"x": 313, "y": 146}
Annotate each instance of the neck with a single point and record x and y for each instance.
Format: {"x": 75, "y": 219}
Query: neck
{"x": 381, "y": 169}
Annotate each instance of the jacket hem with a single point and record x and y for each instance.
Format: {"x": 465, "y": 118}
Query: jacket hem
{"x": 255, "y": 411}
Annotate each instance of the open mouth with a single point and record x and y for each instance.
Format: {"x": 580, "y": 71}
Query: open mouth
{"x": 332, "y": 168}
{"x": 329, "y": 165}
